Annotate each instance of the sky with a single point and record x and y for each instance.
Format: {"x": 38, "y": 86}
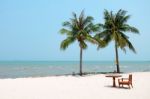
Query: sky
{"x": 29, "y": 29}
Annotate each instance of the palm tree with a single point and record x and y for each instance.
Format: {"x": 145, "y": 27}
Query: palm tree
{"x": 79, "y": 29}
{"x": 114, "y": 28}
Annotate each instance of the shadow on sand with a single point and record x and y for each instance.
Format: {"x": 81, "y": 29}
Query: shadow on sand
{"x": 117, "y": 87}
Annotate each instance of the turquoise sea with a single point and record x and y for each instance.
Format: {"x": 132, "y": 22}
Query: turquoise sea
{"x": 17, "y": 69}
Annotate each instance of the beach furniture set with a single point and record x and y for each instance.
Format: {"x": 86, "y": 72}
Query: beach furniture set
{"x": 121, "y": 81}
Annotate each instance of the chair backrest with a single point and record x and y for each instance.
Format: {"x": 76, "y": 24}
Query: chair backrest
{"x": 130, "y": 77}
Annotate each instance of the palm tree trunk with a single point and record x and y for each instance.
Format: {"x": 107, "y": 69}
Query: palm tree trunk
{"x": 80, "y": 61}
{"x": 117, "y": 58}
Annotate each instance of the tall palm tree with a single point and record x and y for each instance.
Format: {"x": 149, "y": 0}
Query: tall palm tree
{"x": 115, "y": 28}
{"x": 79, "y": 29}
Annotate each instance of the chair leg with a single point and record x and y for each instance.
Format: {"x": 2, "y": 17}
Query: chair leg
{"x": 131, "y": 85}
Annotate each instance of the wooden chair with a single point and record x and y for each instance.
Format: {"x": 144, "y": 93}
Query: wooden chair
{"x": 125, "y": 81}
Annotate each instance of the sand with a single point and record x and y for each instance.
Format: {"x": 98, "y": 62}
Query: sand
{"x": 74, "y": 87}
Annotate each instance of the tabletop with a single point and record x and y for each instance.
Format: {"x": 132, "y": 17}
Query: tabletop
{"x": 113, "y": 75}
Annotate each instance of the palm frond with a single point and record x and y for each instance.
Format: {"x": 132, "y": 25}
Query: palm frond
{"x": 91, "y": 39}
{"x": 124, "y": 19}
{"x": 83, "y": 45}
{"x": 81, "y": 17}
{"x": 129, "y": 28}
{"x": 87, "y": 20}
{"x": 129, "y": 44}
{"x": 96, "y": 28}
{"x": 65, "y": 31}
{"x": 65, "y": 43}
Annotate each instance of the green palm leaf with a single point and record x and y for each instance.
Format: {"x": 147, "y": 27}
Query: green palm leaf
{"x": 65, "y": 43}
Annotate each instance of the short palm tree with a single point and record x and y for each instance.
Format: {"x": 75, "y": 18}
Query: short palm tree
{"x": 79, "y": 29}
{"x": 114, "y": 28}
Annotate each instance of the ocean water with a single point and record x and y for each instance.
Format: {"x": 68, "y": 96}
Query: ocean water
{"x": 17, "y": 69}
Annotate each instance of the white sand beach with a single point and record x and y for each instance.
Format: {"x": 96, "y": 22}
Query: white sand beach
{"x": 74, "y": 87}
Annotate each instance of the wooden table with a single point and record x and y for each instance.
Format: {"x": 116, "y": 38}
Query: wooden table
{"x": 113, "y": 76}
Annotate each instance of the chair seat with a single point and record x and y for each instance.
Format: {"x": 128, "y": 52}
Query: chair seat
{"x": 124, "y": 82}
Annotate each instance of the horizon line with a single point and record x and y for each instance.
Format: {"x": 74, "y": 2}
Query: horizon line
{"x": 70, "y": 60}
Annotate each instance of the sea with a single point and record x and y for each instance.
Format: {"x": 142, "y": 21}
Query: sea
{"x": 22, "y": 69}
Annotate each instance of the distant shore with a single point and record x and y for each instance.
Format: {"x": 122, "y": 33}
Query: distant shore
{"x": 75, "y": 87}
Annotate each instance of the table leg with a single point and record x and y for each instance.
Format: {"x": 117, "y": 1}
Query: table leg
{"x": 114, "y": 84}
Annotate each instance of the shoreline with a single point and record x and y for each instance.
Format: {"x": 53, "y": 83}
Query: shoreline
{"x": 75, "y": 75}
